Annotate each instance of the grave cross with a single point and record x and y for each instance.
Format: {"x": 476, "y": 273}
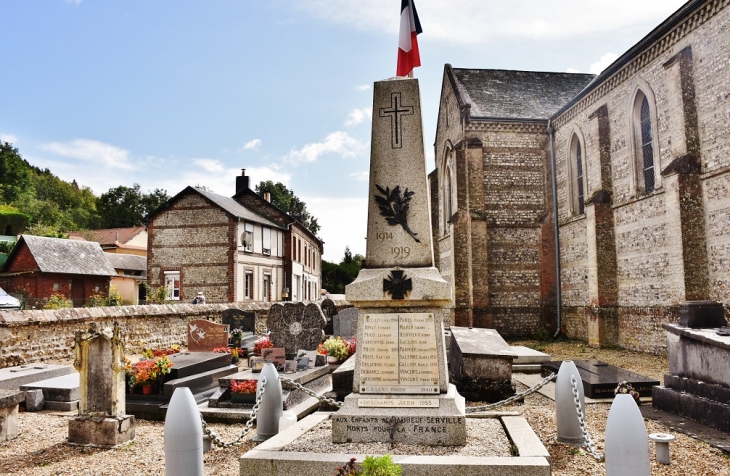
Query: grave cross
{"x": 395, "y": 111}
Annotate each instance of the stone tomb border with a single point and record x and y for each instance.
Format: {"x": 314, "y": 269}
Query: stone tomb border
{"x": 270, "y": 459}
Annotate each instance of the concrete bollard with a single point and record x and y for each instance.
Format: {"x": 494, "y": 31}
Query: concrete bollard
{"x": 272, "y": 407}
{"x": 661, "y": 441}
{"x": 565, "y": 412}
{"x": 627, "y": 445}
{"x": 183, "y": 436}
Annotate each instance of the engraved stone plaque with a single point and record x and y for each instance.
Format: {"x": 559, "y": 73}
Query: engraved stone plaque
{"x": 399, "y": 354}
{"x": 398, "y": 403}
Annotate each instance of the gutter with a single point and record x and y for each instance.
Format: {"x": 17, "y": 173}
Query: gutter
{"x": 558, "y": 297}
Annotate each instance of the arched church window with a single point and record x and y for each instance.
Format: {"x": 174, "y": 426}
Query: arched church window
{"x": 447, "y": 205}
{"x": 647, "y": 148}
{"x": 577, "y": 166}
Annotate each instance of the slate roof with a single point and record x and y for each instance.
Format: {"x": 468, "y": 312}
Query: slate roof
{"x": 127, "y": 262}
{"x": 504, "y": 94}
{"x": 236, "y": 209}
{"x": 108, "y": 236}
{"x": 56, "y": 255}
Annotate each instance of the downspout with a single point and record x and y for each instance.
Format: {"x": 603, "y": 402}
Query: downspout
{"x": 558, "y": 296}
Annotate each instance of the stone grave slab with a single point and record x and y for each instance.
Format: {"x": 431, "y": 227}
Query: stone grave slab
{"x": 204, "y": 336}
{"x": 480, "y": 364}
{"x": 316, "y": 379}
{"x": 59, "y": 393}
{"x": 11, "y": 378}
{"x": 345, "y": 323}
{"x": 296, "y": 326}
{"x": 698, "y": 383}
{"x": 601, "y": 379}
{"x": 185, "y": 364}
{"x": 528, "y": 360}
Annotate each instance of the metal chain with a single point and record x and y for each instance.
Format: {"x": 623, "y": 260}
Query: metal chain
{"x": 514, "y": 397}
{"x": 311, "y": 392}
{"x": 220, "y": 443}
{"x": 588, "y": 443}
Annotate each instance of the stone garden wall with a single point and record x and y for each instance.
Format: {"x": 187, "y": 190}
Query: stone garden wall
{"x": 37, "y": 336}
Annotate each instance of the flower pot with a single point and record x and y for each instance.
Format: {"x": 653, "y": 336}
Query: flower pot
{"x": 243, "y": 398}
{"x": 331, "y": 359}
{"x": 147, "y": 389}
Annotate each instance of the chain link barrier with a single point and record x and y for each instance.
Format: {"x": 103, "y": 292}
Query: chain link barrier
{"x": 513, "y": 398}
{"x": 309, "y": 392}
{"x": 587, "y": 441}
{"x": 222, "y": 444}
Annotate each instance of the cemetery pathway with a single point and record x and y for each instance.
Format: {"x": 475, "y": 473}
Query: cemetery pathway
{"x": 40, "y": 448}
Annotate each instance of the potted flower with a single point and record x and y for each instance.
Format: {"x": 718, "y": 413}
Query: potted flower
{"x": 243, "y": 391}
{"x": 147, "y": 373}
{"x": 337, "y": 350}
{"x": 626, "y": 387}
{"x": 236, "y": 336}
{"x": 263, "y": 343}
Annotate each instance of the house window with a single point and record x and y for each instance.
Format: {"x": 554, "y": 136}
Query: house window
{"x": 577, "y": 169}
{"x": 267, "y": 241}
{"x": 248, "y": 285}
{"x": 295, "y": 288}
{"x": 267, "y": 286}
{"x": 247, "y": 238}
{"x": 172, "y": 283}
{"x": 647, "y": 147}
{"x": 56, "y": 287}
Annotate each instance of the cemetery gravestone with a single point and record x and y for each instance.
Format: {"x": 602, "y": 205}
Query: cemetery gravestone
{"x": 401, "y": 390}
{"x": 345, "y": 323}
{"x": 237, "y": 319}
{"x": 330, "y": 311}
{"x": 296, "y": 326}
{"x": 204, "y": 336}
{"x": 99, "y": 358}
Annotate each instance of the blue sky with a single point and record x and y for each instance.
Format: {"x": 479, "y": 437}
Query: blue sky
{"x": 174, "y": 93}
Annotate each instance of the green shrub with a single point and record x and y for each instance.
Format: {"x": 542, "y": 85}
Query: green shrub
{"x": 57, "y": 301}
{"x": 114, "y": 298}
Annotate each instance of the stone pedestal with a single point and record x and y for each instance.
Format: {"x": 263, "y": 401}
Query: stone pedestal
{"x": 101, "y": 431}
{"x": 9, "y": 400}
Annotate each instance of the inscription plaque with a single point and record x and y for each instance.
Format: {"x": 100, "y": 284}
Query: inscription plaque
{"x": 398, "y": 403}
{"x": 399, "y": 354}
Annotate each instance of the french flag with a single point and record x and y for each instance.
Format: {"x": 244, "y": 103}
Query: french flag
{"x": 410, "y": 27}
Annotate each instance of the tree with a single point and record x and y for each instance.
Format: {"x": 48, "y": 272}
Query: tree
{"x": 15, "y": 175}
{"x": 284, "y": 199}
{"x": 336, "y": 276}
{"x": 122, "y": 206}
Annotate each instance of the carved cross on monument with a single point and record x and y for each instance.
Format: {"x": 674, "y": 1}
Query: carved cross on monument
{"x": 395, "y": 111}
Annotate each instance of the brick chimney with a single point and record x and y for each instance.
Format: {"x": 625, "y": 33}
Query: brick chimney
{"x": 241, "y": 182}
{"x": 267, "y": 196}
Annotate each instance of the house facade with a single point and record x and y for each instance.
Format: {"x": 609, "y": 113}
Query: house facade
{"x": 39, "y": 267}
{"x": 131, "y": 240}
{"x": 230, "y": 250}
{"x": 642, "y": 180}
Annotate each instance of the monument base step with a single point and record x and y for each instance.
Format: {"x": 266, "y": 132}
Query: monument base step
{"x": 708, "y": 412}
{"x": 269, "y": 457}
{"x": 412, "y": 419}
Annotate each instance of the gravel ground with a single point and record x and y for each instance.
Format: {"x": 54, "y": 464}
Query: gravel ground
{"x": 40, "y": 448}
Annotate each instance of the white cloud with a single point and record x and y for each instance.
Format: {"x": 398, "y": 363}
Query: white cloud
{"x": 210, "y": 165}
{"x": 603, "y": 63}
{"x": 8, "y": 138}
{"x": 360, "y": 176}
{"x": 344, "y": 223}
{"x": 478, "y": 21}
{"x": 572, "y": 70}
{"x": 96, "y": 152}
{"x": 362, "y": 87}
{"x": 356, "y": 116}
{"x": 252, "y": 145}
{"x": 338, "y": 142}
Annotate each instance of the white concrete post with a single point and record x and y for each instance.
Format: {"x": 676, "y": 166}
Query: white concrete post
{"x": 566, "y": 413}
{"x": 627, "y": 445}
{"x": 272, "y": 406}
{"x": 183, "y": 436}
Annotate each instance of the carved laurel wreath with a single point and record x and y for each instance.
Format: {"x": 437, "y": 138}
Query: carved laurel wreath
{"x": 394, "y": 207}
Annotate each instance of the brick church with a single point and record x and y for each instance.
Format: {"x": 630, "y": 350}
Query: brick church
{"x": 634, "y": 167}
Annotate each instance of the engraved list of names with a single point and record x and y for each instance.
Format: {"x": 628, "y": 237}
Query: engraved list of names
{"x": 399, "y": 354}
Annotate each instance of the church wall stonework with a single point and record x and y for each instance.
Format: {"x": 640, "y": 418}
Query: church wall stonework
{"x": 671, "y": 244}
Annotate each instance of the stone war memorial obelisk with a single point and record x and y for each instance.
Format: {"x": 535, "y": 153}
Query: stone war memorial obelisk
{"x": 401, "y": 392}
